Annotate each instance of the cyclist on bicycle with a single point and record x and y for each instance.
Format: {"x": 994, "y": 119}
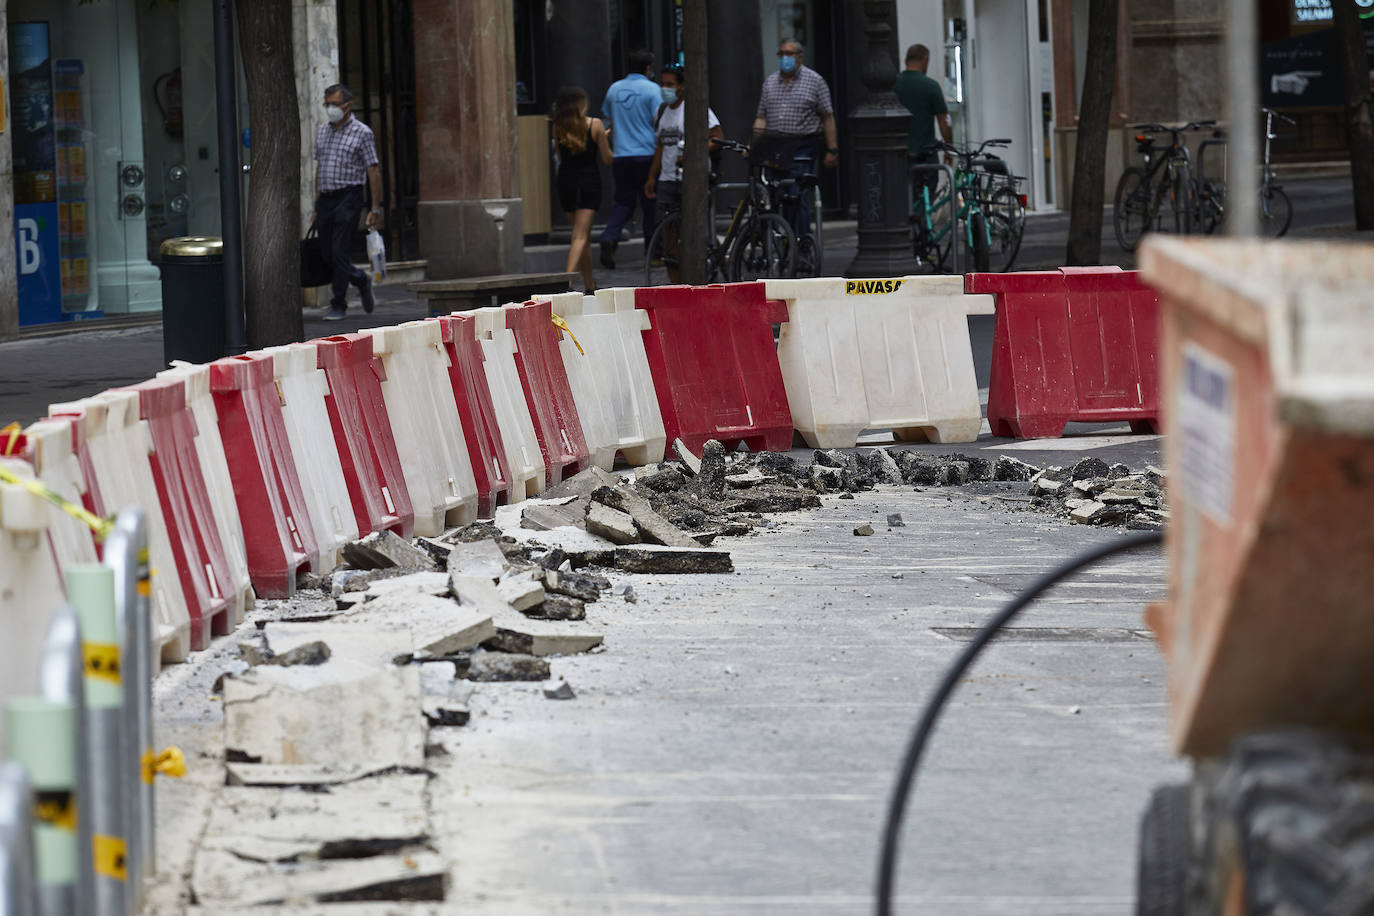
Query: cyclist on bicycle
{"x": 795, "y": 105}
{"x": 664, "y": 183}
{"x": 924, "y": 98}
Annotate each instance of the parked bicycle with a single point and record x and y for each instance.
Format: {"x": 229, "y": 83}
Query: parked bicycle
{"x": 1158, "y": 196}
{"x": 986, "y": 201}
{"x": 757, "y": 244}
{"x": 1275, "y": 209}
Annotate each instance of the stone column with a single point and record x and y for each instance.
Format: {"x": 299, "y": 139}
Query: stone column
{"x": 9, "y": 277}
{"x": 470, "y": 214}
{"x": 879, "y": 129}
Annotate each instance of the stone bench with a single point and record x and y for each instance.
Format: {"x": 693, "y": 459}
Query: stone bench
{"x": 467, "y": 293}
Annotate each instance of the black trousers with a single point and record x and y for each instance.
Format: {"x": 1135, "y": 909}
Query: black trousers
{"x": 336, "y": 218}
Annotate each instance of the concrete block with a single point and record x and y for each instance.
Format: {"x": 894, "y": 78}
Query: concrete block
{"x": 1087, "y": 512}
{"x": 360, "y": 841}
{"x": 547, "y": 518}
{"x": 490, "y": 667}
{"x": 612, "y": 524}
{"x": 517, "y": 633}
{"x": 377, "y": 645}
{"x": 438, "y": 626}
{"x": 653, "y": 527}
{"x": 341, "y": 713}
{"x": 522, "y": 590}
{"x": 384, "y": 550}
{"x": 480, "y": 558}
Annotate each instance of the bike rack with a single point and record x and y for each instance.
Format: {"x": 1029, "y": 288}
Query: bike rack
{"x": 956, "y": 257}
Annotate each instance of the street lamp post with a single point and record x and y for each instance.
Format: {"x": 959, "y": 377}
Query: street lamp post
{"x": 879, "y": 128}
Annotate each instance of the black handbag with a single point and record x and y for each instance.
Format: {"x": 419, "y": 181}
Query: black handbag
{"x": 315, "y": 267}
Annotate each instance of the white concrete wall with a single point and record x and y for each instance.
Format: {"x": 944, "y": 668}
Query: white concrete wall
{"x": 922, "y": 21}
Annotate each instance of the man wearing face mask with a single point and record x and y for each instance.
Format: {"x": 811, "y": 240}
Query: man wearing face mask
{"x": 795, "y": 106}
{"x": 345, "y": 155}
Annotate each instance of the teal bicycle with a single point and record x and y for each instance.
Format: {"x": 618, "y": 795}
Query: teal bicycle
{"x": 988, "y": 210}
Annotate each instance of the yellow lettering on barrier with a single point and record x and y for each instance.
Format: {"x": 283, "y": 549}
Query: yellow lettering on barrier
{"x": 101, "y": 660}
{"x": 871, "y": 287}
{"x": 111, "y": 857}
{"x": 56, "y": 809}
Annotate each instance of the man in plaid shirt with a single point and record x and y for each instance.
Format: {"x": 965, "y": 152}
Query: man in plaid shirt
{"x": 795, "y": 105}
{"x": 345, "y": 155}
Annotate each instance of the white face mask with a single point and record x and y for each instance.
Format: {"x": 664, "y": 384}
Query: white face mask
{"x": 334, "y": 113}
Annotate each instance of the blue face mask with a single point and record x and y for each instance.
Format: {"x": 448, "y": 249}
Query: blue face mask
{"x": 670, "y": 95}
{"x": 787, "y": 63}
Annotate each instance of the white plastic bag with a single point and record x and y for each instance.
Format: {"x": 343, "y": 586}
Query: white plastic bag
{"x": 376, "y": 255}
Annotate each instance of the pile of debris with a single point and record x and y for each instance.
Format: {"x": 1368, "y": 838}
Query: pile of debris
{"x": 1095, "y": 493}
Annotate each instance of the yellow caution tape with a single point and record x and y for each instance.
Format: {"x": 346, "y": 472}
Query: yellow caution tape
{"x": 111, "y": 857}
{"x": 171, "y": 762}
{"x": 56, "y": 809}
{"x": 13, "y": 431}
{"x": 101, "y": 661}
{"x": 563, "y": 326}
{"x": 102, "y": 527}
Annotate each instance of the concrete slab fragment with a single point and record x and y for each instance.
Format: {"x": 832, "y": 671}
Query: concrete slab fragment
{"x": 384, "y": 550}
{"x": 438, "y": 626}
{"x": 653, "y": 527}
{"x": 377, "y": 645}
{"x": 341, "y": 713}
{"x": 522, "y": 590}
{"x": 612, "y": 524}
{"x": 517, "y": 633}
{"x": 480, "y": 558}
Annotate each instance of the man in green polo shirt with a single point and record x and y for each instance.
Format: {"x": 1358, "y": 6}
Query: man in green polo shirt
{"x": 924, "y": 98}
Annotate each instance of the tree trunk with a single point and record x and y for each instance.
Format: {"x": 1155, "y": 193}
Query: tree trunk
{"x": 696, "y": 167}
{"x": 272, "y": 224}
{"x": 1359, "y": 119}
{"x": 1090, "y": 158}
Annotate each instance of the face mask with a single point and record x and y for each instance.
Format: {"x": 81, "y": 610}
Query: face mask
{"x": 670, "y": 96}
{"x": 334, "y": 113}
{"x": 787, "y": 63}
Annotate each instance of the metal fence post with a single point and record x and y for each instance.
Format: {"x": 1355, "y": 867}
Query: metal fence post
{"x": 18, "y": 868}
{"x": 91, "y": 590}
{"x": 126, "y": 552}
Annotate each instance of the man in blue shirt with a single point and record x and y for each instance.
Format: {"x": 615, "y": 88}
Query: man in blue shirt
{"x": 630, "y": 107}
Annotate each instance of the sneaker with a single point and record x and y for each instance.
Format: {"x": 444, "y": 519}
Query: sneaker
{"x": 608, "y": 255}
{"x": 369, "y": 301}
{"x": 335, "y": 314}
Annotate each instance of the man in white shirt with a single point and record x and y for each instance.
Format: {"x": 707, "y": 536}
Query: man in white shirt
{"x": 665, "y": 173}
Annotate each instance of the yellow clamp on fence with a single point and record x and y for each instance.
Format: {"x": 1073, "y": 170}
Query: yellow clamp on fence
{"x": 171, "y": 762}
{"x": 563, "y": 326}
{"x": 101, "y": 661}
{"x": 11, "y": 434}
{"x": 110, "y": 857}
{"x": 102, "y": 527}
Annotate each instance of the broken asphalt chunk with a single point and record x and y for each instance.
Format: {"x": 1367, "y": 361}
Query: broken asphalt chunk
{"x": 652, "y": 527}
{"x": 612, "y": 524}
{"x": 560, "y": 691}
{"x": 691, "y": 463}
{"x": 864, "y": 530}
{"x": 672, "y": 560}
{"x": 385, "y": 550}
{"x": 506, "y": 666}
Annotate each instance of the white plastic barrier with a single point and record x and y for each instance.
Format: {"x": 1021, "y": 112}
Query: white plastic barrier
{"x": 120, "y": 445}
{"x": 598, "y": 424}
{"x": 215, "y": 468}
{"x": 425, "y": 421}
{"x": 48, "y": 449}
{"x": 303, "y": 387}
{"x": 613, "y": 379}
{"x": 525, "y": 459}
{"x": 33, "y": 584}
{"x": 879, "y": 354}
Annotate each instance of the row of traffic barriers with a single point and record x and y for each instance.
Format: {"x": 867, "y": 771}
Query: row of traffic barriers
{"x": 255, "y": 469}
{"x": 76, "y": 788}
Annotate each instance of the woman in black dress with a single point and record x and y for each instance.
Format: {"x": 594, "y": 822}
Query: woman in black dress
{"x": 579, "y": 140}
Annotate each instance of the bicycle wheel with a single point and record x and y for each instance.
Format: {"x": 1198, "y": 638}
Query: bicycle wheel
{"x": 978, "y": 233}
{"x": 1180, "y": 201}
{"x": 1006, "y": 220}
{"x": 663, "y": 253}
{"x": 1131, "y": 214}
{"x": 765, "y": 249}
{"x": 1211, "y": 206}
{"x": 1275, "y": 212}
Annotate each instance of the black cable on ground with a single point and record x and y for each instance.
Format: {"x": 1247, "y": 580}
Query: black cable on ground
{"x": 930, "y": 715}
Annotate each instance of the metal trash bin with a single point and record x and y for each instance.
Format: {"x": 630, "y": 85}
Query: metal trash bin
{"x": 193, "y": 299}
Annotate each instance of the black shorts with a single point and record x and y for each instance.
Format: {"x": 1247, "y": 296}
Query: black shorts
{"x": 579, "y": 193}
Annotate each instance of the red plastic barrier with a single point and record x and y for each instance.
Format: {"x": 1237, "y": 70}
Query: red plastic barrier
{"x": 206, "y": 579}
{"x": 547, "y": 392}
{"x": 483, "y": 435}
{"x": 715, "y": 365}
{"x": 362, "y": 433}
{"x": 1074, "y": 344}
{"x": 276, "y": 521}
